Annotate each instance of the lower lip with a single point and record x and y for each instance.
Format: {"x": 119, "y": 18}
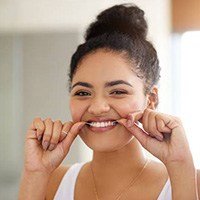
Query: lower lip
{"x": 100, "y": 129}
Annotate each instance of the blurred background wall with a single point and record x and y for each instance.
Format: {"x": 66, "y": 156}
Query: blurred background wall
{"x": 37, "y": 40}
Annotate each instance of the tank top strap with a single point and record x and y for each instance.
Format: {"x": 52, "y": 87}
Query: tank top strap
{"x": 66, "y": 187}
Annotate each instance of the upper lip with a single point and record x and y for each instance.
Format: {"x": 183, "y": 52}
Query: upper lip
{"x": 100, "y": 119}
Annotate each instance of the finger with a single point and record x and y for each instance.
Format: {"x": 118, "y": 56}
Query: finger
{"x": 153, "y": 127}
{"x": 66, "y": 127}
{"x": 145, "y": 139}
{"x": 38, "y": 126}
{"x": 141, "y": 135}
{"x": 161, "y": 125}
{"x": 134, "y": 117}
{"x": 47, "y": 133}
{"x": 170, "y": 122}
{"x": 131, "y": 118}
{"x": 57, "y": 127}
{"x": 122, "y": 121}
{"x": 146, "y": 122}
{"x": 72, "y": 134}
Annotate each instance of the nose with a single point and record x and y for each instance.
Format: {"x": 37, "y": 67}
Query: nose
{"x": 98, "y": 106}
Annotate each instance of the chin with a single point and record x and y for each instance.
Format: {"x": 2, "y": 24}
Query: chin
{"x": 106, "y": 143}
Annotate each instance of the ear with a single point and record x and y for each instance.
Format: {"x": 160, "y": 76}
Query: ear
{"x": 152, "y": 98}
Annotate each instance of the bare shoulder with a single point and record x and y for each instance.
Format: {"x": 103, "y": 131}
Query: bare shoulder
{"x": 198, "y": 181}
{"x": 55, "y": 180}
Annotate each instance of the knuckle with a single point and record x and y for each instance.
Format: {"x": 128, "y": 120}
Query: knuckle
{"x": 58, "y": 121}
{"x": 37, "y": 118}
{"x": 36, "y": 121}
{"x": 38, "y": 124}
{"x": 178, "y": 120}
{"x": 48, "y": 120}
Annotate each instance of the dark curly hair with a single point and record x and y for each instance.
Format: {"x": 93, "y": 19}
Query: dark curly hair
{"x": 121, "y": 29}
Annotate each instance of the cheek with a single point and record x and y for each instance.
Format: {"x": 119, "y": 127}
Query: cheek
{"x": 77, "y": 110}
{"x": 129, "y": 106}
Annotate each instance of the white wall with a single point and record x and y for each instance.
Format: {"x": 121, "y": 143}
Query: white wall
{"x": 33, "y": 82}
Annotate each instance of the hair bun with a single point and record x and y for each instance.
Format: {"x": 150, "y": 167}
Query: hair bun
{"x": 124, "y": 18}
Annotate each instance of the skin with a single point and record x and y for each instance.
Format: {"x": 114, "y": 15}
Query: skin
{"x": 104, "y": 102}
{"x": 119, "y": 151}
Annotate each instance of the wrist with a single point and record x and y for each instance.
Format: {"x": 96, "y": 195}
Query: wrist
{"x": 38, "y": 174}
{"x": 186, "y": 164}
{"x": 33, "y": 185}
{"x": 35, "y": 172}
{"x": 183, "y": 178}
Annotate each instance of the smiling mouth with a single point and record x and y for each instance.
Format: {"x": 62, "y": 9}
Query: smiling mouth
{"x": 102, "y": 124}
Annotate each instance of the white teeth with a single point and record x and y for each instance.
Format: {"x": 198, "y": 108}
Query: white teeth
{"x": 102, "y": 124}
{"x": 98, "y": 124}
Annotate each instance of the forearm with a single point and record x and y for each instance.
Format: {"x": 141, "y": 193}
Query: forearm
{"x": 183, "y": 179}
{"x": 33, "y": 186}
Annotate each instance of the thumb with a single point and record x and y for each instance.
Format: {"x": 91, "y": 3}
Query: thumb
{"x": 131, "y": 119}
{"x": 134, "y": 117}
{"x": 71, "y": 135}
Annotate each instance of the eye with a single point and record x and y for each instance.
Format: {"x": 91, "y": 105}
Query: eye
{"x": 81, "y": 93}
{"x": 119, "y": 92}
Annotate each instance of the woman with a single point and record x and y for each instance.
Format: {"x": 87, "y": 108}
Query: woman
{"x": 113, "y": 96}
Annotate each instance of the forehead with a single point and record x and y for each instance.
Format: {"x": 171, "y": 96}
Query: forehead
{"x": 102, "y": 66}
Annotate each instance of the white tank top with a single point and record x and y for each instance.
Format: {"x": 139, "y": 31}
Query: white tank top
{"x": 67, "y": 185}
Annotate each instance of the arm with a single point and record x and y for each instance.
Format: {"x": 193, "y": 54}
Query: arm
{"x": 40, "y": 160}
{"x": 198, "y": 181}
{"x": 167, "y": 142}
{"x": 183, "y": 177}
{"x": 33, "y": 186}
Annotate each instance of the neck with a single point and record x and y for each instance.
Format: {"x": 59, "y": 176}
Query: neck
{"x": 119, "y": 165}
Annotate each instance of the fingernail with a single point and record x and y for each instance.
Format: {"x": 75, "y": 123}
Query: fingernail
{"x": 63, "y": 135}
{"x": 160, "y": 138}
{"x": 51, "y": 147}
{"x": 39, "y": 137}
{"x": 45, "y": 145}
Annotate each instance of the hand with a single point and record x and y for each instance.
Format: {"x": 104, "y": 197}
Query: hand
{"x": 46, "y": 145}
{"x": 162, "y": 135}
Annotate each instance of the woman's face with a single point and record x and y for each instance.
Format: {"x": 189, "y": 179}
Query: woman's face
{"x": 96, "y": 95}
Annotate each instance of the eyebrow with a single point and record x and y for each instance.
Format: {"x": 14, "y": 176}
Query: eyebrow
{"x": 107, "y": 84}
